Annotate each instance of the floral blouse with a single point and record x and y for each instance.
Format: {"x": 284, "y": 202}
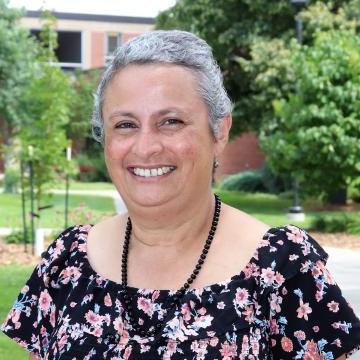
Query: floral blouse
{"x": 283, "y": 305}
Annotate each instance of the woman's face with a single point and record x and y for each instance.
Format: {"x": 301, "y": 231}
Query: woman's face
{"x": 158, "y": 144}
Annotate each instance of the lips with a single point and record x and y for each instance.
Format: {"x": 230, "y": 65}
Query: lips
{"x": 152, "y": 172}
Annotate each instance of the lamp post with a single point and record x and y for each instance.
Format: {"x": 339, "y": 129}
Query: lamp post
{"x": 23, "y": 204}
{"x": 32, "y": 213}
{"x": 296, "y": 212}
{"x": 68, "y": 158}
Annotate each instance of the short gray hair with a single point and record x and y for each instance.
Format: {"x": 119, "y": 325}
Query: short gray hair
{"x": 169, "y": 47}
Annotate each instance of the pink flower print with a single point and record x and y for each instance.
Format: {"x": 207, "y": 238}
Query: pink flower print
{"x": 185, "y": 312}
{"x": 107, "y": 300}
{"x": 170, "y": 349}
{"x": 274, "y": 327}
{"x": 316, "y": 328}
{"x": 92, "y": 318}
{"x": 74, "y": 245}
{"x": 300, "y": 334}
{"x": 82, "y": 247}
{"x": 118, "y": 325}
{"x": 62, "y": 342}
{"x": 25, "y": 289}
{"x": 145, "y": 305}
{"x": 98, "y": 331}
{"x": 275, "y": 302}
{"x": 214, "y": 341}
{"x": 337, "y": 342}
{"x": 127, "y": 352}
{"x": 267, "y": 275}
{"x": 203, "y": 321}
{"x": 45, "y": 301}
{"x": 255, "y": 346}
{"x": 315, "y": 272}
{"x": 312, "y": 352}
{"x": 249, "y": 313}
{"x": 303, "y": 310}
{"x": 52, "y": 316}
{"x": 293, "y": 257}
{"x": 296, "y": 235}
{"x": 287, "y": 344}
{"x": 43, "y": 330}
{"x": 306, "y": 249}
{"x": 245, "y": 345}
{"x": 333, "y": 306}
{"x": 220, "y": 305}
{"x": 279, "y": 278}
{"x": 318, "y": 296}
{"x": 155, "y": 295}
{"x": 73, "y": 304}
{"x": 241, "y": 297}
{"x": 85, "y": 228}
{"x": 202, "y": 311}
{"x": 228, "y": 351}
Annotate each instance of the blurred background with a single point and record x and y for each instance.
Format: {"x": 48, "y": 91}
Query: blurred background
{"x": 291, "y": 67}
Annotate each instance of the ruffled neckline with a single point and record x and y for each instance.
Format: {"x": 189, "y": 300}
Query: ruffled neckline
{"x": 214, "y": 287}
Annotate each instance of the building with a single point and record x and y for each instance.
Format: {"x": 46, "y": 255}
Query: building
{"x": 86, "y": 41}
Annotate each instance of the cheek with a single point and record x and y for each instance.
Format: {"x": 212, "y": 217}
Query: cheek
{"x": 113, "y": 152}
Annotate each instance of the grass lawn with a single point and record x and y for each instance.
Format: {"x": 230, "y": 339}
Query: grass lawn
{"x": 271, "y": 209}
{"x": 76, "y": 185}
{"x": 12, "y": 278}
{"x": 10, "y": 209}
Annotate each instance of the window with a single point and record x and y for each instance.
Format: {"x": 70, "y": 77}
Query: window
{"x": 69, "y": 49}
{"x": 112, "y": 42}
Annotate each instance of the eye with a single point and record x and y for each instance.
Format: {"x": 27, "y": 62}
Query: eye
{"x": 173, "y": 121}
{"x": 125, "y": 125}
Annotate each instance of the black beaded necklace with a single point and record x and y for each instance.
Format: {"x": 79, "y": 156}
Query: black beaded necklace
{"x": 179, "y": 293}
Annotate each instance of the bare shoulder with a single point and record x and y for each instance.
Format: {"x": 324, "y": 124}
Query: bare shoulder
{"x": 240, "y": 235}
{"x": 243, "y": 225}
{"x": 104, "y": 246}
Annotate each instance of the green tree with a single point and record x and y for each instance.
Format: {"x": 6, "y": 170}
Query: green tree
{"x": 47, "y": 106}
{"x": 314, "y": 135}
{"x": 233, "y": 28}
{"x": 17, "y": 57}
{"x": 90, "y": 159}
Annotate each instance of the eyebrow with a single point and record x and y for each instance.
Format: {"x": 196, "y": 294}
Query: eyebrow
{"x": 158, "y": 113}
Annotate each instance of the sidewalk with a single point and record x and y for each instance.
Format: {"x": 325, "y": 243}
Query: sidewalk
{"x": 344, "y": 265}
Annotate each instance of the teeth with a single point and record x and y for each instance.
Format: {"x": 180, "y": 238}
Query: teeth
{"x": 153, "y": 172}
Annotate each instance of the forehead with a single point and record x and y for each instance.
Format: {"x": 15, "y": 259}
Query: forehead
{"x": 154, "y": 83}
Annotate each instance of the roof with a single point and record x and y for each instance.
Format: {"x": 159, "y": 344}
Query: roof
{"x": 94, "y": 17}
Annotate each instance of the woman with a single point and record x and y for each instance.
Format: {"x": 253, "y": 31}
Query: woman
{"x": 163, "y": 117}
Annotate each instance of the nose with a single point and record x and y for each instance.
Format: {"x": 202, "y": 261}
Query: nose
{"x": 147, "y": 144}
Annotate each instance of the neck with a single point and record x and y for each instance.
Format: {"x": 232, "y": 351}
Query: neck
{"x": 172, "y": 225}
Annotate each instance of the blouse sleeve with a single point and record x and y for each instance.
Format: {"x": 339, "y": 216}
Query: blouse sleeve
{"x": 32, "y": 317}
{"x": 309, "y": 317}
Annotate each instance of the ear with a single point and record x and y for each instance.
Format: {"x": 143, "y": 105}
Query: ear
{"x": 223, "y": 134}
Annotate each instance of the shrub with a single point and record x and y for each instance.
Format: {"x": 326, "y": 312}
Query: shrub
{"x": 331, "y": 224}
{"x": 248, "y": 181}
{"x": 354, "y": 191}
{"x": 262, "y": 180}
{"x": 92, "y": 169}
{"x": 11, "y": 180}
{"x": 16, "y": 237}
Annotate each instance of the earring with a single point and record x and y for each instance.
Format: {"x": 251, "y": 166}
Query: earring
{"x": 216, "y": 163}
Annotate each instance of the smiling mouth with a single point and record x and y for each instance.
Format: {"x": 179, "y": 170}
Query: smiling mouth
{"x": 153, "y": 172}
